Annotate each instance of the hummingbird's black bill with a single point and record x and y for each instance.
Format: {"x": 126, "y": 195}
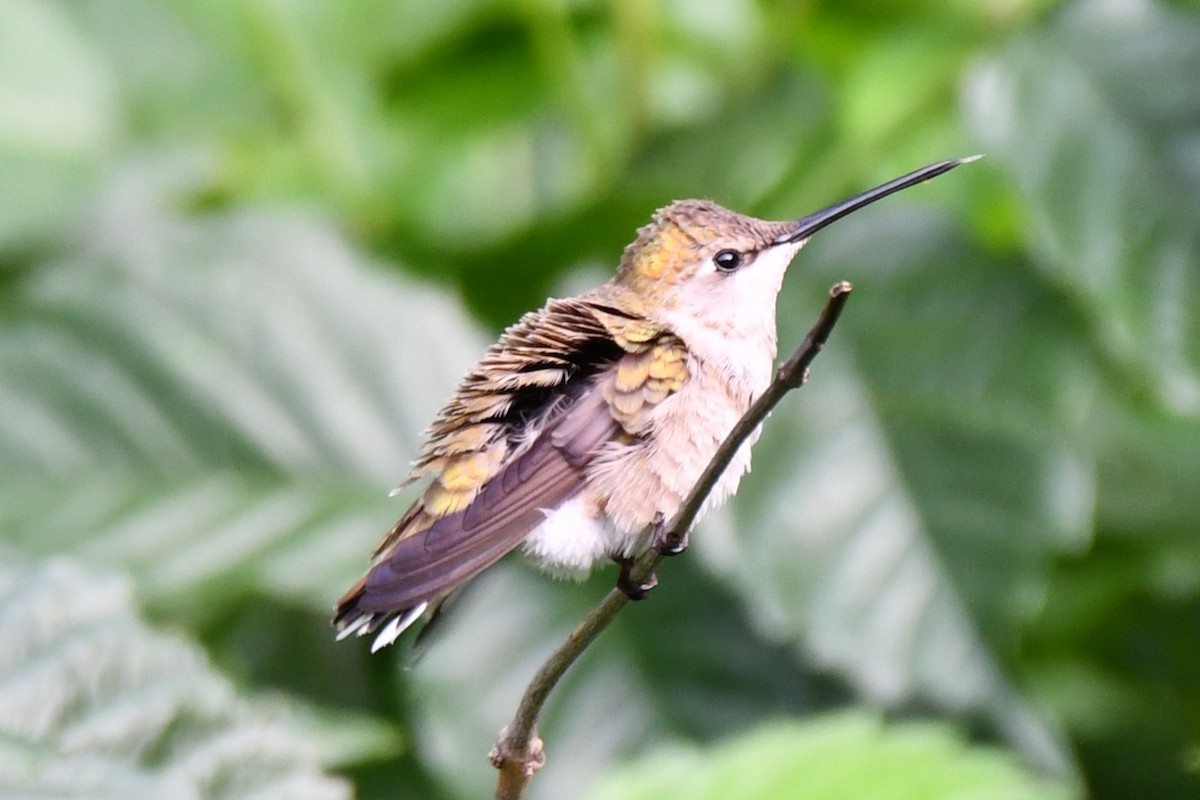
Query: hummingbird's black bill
{"x": 807, "y": 226}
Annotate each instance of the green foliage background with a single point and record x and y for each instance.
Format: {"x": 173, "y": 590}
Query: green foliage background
{"x": 246, "y": 249}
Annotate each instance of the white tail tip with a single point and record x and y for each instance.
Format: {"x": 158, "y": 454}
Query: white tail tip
{"x": 357, "y": 625}
{"x": 391, "y": 632}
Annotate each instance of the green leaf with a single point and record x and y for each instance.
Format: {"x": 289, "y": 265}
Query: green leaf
{"x": 210, "y": 403}
{"x": 96, "y": 704}
{"x": 907, "y": 505}
{"x": 1093, "y": 118}
{"x": 841, "y": 758}
{"x": 1107, "y": 169}
{"x": 976, "y": 378}
{"x": 58, "y": 118}
{"x": 200, "y": 542}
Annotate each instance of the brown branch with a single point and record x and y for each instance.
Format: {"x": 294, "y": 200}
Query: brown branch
{"x": 518, "y": 752}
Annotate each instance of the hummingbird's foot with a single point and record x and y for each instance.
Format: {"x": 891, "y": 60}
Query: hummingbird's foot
{"x": 664, "y": 544}
{"x": 501, "y": 754}
{"x": 634, "y": 590}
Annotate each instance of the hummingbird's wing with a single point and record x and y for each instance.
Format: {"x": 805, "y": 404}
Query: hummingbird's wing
{"x": 515, "y": 439}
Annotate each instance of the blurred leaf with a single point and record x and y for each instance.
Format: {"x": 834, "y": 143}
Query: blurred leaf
{"x": 208, "y": 403}
{"x": 841, "y": 758}
{"x": 1103, "y": 151}
{"x": 1148, "y": 470}
{"x": 343, "y": 738}
{"x": 982, "y": 404}
{"x": 895, "y": 86}
{"x": 1095, "y": 119}
{"x": 177, "y": 66}
{"x": 756, "y": 142}
{"x": 1097, "y": 122}
{"x": 906, "y": 507}
{"x": 201, "y": 542}
{"x": 95, "y": 704}
{"x": 58, "y": 117}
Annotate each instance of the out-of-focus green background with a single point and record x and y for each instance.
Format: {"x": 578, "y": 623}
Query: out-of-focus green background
{"x": 246, "y": 249}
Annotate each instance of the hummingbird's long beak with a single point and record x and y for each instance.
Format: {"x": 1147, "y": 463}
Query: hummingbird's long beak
{"x": 807, "y": 226}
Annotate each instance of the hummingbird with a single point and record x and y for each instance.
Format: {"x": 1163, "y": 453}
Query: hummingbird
{"x": 585, "y": 426}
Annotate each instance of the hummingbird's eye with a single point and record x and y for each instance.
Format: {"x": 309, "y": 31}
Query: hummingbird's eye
{"x": 727, "y": 260}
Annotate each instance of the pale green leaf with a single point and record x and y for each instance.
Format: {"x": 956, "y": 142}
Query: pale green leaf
{"x": 846, "y": 757}
{"x": 217, "y": 405}
{"x": 58, "y": 117}
{"x": 93, "y": 703}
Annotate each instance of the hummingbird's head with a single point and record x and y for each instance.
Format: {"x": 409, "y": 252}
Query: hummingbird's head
{"x": 707, "y": 263}
{"x": 698, "y": 264}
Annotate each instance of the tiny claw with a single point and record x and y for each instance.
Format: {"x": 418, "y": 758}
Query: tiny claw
{"x": 666, "y": 545}
{"x": 634, "y": 590}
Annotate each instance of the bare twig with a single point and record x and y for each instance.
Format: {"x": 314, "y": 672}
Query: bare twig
{"x": 518, "y": 752}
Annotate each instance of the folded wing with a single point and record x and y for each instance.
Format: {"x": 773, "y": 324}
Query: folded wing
{"x": 516, "y": 438}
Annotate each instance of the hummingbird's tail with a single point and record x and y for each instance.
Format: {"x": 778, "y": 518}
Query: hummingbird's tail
{"x": 431, "y": 562}
{"x": 351, "y": 620}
